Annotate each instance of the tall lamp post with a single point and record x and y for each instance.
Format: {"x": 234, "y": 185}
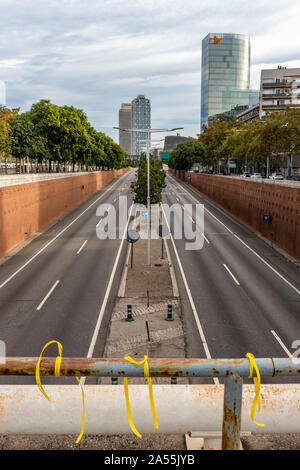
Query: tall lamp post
{"x": 148, "y": 132}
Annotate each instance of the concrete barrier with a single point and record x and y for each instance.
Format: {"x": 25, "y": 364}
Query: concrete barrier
{"x": 179, "y": 409}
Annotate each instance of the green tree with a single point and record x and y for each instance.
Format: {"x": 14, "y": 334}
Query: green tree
{"x": 27, "y": 144}
{"x": 46, "y": 119}
{"x": 212, "y": 138}
{"x": 6, "y": 116}
{"x": 289, "y": 138}
{"x": 186, "y": 153}
{"x": 74, "y": 138}
{"x": 157, "y": 181}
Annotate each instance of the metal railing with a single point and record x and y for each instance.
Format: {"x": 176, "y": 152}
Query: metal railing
{"x": 233, "y": 371}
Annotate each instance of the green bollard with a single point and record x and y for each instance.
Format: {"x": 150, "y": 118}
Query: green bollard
{"x": 174, "y": 381}
{"x": 170, "y": 316}
{"x": 129, "y": 313}
{"x": 114, "y": 380}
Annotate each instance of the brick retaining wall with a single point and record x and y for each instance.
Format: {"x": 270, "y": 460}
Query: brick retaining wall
{"x": 29, "y": 208}
{"x": 249, "y": 201}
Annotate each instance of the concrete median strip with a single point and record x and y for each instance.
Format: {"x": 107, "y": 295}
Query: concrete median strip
{"x": 148, "y": 333}
{"x": 129, "y": 343}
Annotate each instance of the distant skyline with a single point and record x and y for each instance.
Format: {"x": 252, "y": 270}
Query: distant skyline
{"x": 96, "y": 55}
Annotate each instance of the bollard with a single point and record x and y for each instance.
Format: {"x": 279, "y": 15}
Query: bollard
{"x": 129, "y": 313}
{"x": 174, "y": 381}
{"x": 114, "y": 380}
{"x": 170, "y": 315}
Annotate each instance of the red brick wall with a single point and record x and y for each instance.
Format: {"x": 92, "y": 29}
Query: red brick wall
{"x": 28, "y": 208}
{"x": 249, "y": 201}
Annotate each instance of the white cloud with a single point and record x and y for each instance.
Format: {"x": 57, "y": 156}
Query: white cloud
{"x": 97, "y": 54}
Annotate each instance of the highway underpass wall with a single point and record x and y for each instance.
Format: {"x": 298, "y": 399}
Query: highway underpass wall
{"x": 29, "y": 208}
{"x": 249, "y": 201}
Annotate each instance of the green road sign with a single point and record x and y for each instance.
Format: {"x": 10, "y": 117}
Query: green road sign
{"x": 165, "y": 157}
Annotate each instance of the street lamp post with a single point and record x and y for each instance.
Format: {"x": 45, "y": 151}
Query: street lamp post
{"x": 148, "y": 132}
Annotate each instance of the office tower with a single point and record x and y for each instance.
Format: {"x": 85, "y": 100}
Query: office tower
{"x": 125, "y": 122}
{"x": 141, "y": 119}
{"x": 225, "y": 74}
{"x": 279, "y": 88}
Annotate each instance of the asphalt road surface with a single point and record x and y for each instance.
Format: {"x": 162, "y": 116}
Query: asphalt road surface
{"x": 245, "y": 295}
{"x": 59, "y": 285}
{"x": 238, "y": 295}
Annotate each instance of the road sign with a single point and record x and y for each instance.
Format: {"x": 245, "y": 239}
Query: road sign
{"x": 267, "y": 218}
{"x": 132, "y": 237}
{"x": 165, "y": 157}
{"x": 145, "y": 213}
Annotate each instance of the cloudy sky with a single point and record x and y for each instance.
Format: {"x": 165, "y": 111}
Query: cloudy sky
{"x": 96, "y": 54}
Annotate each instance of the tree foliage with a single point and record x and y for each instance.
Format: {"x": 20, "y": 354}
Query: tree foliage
{"x": 62, "y": 134}
{"x": 254, "y": 143}
{"x": 6, "y": 115}
{"x": 157, "y": 181}
{"x": 186, "y": 153}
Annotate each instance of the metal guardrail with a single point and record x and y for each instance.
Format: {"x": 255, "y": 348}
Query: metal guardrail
{"x": 232, "y": 370}
{"x": 170, "y": 367}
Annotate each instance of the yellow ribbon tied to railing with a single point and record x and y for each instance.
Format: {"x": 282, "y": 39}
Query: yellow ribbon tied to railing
{"x": 146, "y": 374}
{"x": 256, "y": 380}
{"x": 57, "y": 374}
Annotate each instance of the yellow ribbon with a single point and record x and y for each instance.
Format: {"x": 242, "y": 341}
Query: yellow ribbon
{"x": 256, "y": 380}
{"x": 56, "y": 368}
{"x": 83, "y": 412}
{"x": 146, "y": 374}
{"x": 57, "y": 373}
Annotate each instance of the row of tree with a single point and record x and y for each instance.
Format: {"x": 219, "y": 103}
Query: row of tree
{"x": 57, "y": 136}
{"x": 256, "y": 144}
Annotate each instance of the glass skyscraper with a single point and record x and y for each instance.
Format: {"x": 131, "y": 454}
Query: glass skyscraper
{"x": 141, "y": 119}
{"x": 225, "y": 74}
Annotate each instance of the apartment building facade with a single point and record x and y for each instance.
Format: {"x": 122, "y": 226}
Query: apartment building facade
{"x": 279, "y": 88}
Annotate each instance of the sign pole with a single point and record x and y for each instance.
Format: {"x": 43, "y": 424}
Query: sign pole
{"x": 148, "y": 197}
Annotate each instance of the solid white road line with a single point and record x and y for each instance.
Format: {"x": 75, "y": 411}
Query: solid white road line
{"x": 48, "y": 295}
{"x": 172, "y": 272}
{"x": 81, "y": 248}
{"x": 58, "y": 235}
{"x": 271, "y": 267}
{"x": 104, "y": 303}
{"x": 233, "y": 277}
{"x": 202, "y": 336}
{"x": 249, "y": 248}
{"x": 207, "y": 241}
{"x": 282, "y": 344}
{"x": 122, "y": 287}
{"x": 101, "y": 220}
{"x": 191, "y": 218}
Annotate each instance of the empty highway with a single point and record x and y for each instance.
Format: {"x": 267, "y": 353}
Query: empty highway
{"x": 245, "y": 295}
{"x": 63, "y": 284}
{"x": 238, "y": 295}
